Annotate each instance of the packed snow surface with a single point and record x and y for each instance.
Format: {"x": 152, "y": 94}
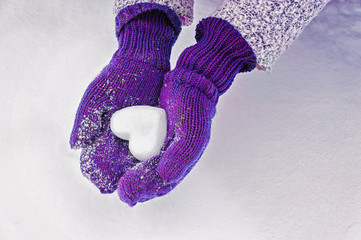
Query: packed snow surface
{"x": 283, "y": 162}
{"x": 145, "y": 128}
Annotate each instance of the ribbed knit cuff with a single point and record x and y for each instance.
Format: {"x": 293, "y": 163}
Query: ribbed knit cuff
{"x": 183, "y": 8}
{"x": 149, "y": 34}
{"x": 220, "y": 53}
{"x": 130, "y": 12}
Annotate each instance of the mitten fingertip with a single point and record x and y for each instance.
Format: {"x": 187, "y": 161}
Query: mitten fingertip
{"x": 124, "y": 194}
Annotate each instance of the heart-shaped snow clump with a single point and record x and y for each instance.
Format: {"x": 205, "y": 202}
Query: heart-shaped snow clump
{"x": 145, "y": 128}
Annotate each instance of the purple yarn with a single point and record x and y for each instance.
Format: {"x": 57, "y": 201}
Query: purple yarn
{"x": 146, "y": 33}
{"x": 189, "y": 96}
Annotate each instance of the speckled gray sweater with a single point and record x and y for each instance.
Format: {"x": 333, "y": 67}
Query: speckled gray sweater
{"x": 269, "y": 26}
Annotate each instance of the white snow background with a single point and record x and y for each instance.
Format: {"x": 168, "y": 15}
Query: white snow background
{"x": 284, "y": 160}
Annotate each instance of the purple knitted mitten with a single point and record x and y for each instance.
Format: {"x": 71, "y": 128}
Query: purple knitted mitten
{"x": 146, "y": 33}
{"x": 189, "y": 96}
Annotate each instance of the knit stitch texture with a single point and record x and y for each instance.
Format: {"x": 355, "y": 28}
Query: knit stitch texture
{"x": 134, "y": 76}
{"x": 269, "y": 26}
{"x": 183, "y": 8}
{"x": 189, "y": 96}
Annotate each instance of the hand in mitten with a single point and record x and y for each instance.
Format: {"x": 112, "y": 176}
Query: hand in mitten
{"x": 189, "y": 96}
{"x": 146, "y": 33}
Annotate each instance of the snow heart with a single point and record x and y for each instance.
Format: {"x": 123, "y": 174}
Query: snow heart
{"x": 145, "y": 128}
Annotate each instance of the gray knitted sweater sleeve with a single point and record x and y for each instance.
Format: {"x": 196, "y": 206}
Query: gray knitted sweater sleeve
{"x": 269, "y": 26}
{"x": 183, "y": 8}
